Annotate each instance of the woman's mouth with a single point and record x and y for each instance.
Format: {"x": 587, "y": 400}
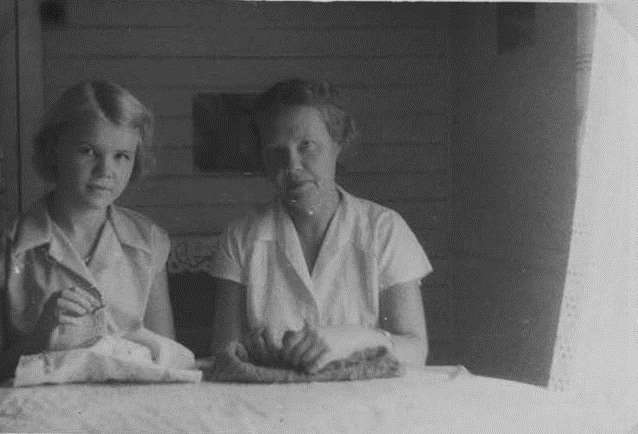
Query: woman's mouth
{"x": 297, "y": 186}
{"x": 100, "y": 188}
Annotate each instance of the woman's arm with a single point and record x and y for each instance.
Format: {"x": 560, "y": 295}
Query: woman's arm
{"x": 228, "y": 313}
{"x": 401, "y": 314}
{"x": 159, "y": 313}
{"x": 231, "y": 324}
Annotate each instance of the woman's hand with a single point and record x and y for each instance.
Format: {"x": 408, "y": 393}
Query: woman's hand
{"x": 262, "y": 347}
{"x": 312, "y": 349}
{"x": 304, "y": 349}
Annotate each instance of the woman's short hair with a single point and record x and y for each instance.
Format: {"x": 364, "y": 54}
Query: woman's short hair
{"x": 321, "y": 95}
{"x": 83, "y": 105}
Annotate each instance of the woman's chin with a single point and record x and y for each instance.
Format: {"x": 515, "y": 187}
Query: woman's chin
{"x": 305, "y": 205}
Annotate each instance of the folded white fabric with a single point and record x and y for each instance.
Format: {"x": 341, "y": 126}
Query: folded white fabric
{"x": 139, "y": 356}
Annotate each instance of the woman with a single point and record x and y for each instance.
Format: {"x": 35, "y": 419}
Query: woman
{"x": 318, "y": 273}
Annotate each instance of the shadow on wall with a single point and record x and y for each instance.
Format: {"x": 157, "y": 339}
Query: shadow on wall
{"x": 513, "y": 165}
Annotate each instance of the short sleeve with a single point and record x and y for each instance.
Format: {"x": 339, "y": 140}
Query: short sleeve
{"x": 400, "y": 256}
{"x": 226, "y": 261}
{"x": 161, "y": 248}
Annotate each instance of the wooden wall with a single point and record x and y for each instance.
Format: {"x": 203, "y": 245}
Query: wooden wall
{"x": 513, "y": 156}
{"x": 390, "y": 60}
{"x": 8, "y": 113}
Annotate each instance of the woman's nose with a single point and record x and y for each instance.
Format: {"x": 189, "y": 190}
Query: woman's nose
{"x": 294, "y": 161}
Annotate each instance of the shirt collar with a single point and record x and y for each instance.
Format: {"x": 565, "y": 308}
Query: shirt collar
{"x": 135, "y": 233}
{"x": 269, "y": 230}
{"x": 35, "y": 228}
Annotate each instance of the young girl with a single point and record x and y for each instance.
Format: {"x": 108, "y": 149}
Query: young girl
{"x": 75, "y": 251}
{"x": 318, "y": 273}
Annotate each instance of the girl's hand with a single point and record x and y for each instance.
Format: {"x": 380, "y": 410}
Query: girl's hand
{"x": 262, "y": 347}
{"x": 73, "y": 303}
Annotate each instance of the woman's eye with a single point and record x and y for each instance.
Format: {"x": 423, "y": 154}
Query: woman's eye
{"x": 306, "y": 146}
{"x": 123, "y": 156}
{"x": 86, "y": 150}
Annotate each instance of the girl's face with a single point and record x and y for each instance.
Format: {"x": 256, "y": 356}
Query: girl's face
{"x": 300, "y": 157}
{"x": 94, "y": 163}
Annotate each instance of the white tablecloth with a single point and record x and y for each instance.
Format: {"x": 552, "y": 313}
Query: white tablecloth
{"x": 434, "y": 399}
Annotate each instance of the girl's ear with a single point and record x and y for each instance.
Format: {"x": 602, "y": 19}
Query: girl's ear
{"x": 52, "y": 157}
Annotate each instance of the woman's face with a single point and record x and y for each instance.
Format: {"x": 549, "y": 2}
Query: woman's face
{"x": 94, "y": 163}
{"x": 300, "y": 157}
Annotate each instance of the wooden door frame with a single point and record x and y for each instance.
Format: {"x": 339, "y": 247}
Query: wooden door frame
{"x": 30, "y": 96}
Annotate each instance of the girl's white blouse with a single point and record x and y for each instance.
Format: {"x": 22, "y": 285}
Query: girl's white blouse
{"x": 38, "y": 260}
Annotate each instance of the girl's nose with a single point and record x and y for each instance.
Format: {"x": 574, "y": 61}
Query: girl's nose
{"x": 103, "y": 167}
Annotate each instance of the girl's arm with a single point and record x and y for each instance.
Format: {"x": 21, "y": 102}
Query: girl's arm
{"x": 159, "y": 313}
{"x": 30, "y": 344}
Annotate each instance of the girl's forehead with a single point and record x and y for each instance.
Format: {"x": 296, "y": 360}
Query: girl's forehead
{"x": 104, "y": 133}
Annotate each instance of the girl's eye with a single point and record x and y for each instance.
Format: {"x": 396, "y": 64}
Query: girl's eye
{"x": 123, "y": 156}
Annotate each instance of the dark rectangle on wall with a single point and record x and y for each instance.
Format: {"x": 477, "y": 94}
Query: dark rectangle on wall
{"x": 224, "y": 139}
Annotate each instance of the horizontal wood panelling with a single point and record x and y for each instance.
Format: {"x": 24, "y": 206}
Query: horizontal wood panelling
{"x": 407, "y": 129}
{"x": 254, "y": 15}
{"x": 364, "y": 158}
{"x": 229, "y": 42}
{"x": 413, "y": 98}
{"x": 253, "y": 72}
{"x": 195, "y": 190}
{"x": 386, "y": 157}
{"x": 428, "y": 222}
{"x": 381, "y": 186}
{"x": 174, "y": 161}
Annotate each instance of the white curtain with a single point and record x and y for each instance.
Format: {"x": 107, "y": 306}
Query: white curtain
{"x": 596, "y": 350}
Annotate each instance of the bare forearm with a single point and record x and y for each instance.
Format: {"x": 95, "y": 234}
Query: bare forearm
{"x": 409, "y": 349}
{"x": 229, "y": 314}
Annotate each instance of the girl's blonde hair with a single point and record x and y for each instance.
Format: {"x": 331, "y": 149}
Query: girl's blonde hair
{"x": 83, "y": 105}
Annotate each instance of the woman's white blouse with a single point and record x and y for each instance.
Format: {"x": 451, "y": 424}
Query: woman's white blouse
{"x": 367, "y": 248}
